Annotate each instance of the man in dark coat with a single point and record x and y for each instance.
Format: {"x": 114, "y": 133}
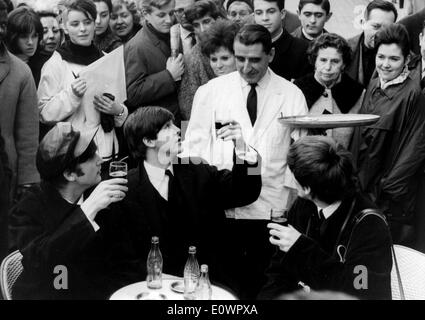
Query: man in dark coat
{"x": 378, "y": 14}
{"x": 413, "y": 24}
{"x": 151, "y": 72}
{"x": 66, "y": 238}
{"x": 290, "y": 60}
{"x": 330, "y": 244}
{"x": 182, "y": 200}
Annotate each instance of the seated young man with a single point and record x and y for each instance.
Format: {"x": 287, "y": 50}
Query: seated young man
{"x": 65, "y": 239}
{"x": 182, "y": 200}
{"x": 330, "y": 243}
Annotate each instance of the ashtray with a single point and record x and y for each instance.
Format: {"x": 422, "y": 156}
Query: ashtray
{"x": 177, "y": 286}
{"x": 151, "y": 296}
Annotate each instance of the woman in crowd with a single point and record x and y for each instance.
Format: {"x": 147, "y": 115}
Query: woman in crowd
{"x": 52, "y": 39}
{"x": 61, "y": 90}
{"x": 125, "y": 19}
{"x": 105, "y": 40}
{"x": 329, "y": 89}
{"x": 391, "y": 153}
{"x": 24, "y": 30}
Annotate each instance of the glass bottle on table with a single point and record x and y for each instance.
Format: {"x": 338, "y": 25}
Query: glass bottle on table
{"x": 154, "y": 266}
{"x": 203, "y": 289}
{"x": 191, "y": 275}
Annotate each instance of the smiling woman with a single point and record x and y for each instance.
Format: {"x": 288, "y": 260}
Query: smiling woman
{"x": 125, "y": 19}
{"x": 24, "y": 32}
{"x": 390, "y": 155}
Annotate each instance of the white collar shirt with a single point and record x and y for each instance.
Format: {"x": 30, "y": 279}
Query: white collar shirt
{"x": 260, "y": 88}
{"x": 158, "y": 178}
{"x": 329, "y": 210}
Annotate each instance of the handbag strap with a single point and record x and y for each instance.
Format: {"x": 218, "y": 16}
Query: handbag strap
{"x": 358, "y": 218}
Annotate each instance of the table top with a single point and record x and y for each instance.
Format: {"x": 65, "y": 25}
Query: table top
{"x": 140, "y": 291}
{"x": 329, "y": 121}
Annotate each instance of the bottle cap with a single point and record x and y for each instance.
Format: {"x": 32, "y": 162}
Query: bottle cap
{"x": 204, "y": 268}
{"x": 192, "y": 249}
{"x": 155, "y": 239}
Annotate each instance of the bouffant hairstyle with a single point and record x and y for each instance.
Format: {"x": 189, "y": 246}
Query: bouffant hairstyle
{"x": 330, "y": 40}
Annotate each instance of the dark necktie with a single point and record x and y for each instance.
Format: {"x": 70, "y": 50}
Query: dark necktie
{"x": 193, "y": 39}
{"x": 170, "y": 182}
{"x": 251, "y": 103}
{"x": 423, "y": 83}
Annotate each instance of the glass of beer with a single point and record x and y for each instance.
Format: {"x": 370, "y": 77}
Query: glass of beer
{"x": 221, "y": 120}
{"x": 118, "y": 169}
{"x": 279, "y": 216}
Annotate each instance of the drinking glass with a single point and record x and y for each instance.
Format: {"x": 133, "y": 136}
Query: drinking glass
{"x": 279, "y": 216}
{"x": 118, "y": 169}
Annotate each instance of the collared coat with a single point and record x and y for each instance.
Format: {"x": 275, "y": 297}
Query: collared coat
{"x": 60, "y": 246}
{"x": 19, "y": 120}
{"x": 317, "y": 258}
{"x": 224, "y": 95}
{"x": 149, "y": 83}
{"x": 390, "y": 154}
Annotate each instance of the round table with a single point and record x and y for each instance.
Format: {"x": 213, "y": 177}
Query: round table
{"x": 140, "y": 291}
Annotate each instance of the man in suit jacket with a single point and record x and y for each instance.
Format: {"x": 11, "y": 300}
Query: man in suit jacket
{"x": 151, "y": 72}
{"x": 330, "y": 243}
{"x": 378, "y": 14}
{"x": 313, "y": 15}
{"x": 290, "y": 59}
{"x": 413, "y": 24}
{"x": 66, "y": 237}
{"x": 182, "y": 200}
{"x": 231, "y": 96}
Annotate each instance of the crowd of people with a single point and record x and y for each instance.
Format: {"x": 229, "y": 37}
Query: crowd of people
{"x": 206, "y": 82}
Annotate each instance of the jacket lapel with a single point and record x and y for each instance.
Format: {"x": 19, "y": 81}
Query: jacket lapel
{"x": 269, "y": 111}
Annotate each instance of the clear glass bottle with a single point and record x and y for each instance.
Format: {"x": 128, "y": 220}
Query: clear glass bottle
{"x": 203, "y": 289}
{"x": 154, "y": 266}
{"x": 191, "y": 275}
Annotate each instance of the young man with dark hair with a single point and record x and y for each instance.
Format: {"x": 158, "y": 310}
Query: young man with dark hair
{"x": 182, "y": 200}
{"x": 378, "y": 14}
{"x": 313, "y": 14}
{"x": 330, "y": 235}
{"x": 58, "y": 226}
{"x": 290, "y": 61}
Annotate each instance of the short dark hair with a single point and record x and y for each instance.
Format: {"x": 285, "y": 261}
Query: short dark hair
{"x": 394, "y": 34}
{"x": 324, "y": 166}
{"x": 330, "y": 40}
{"x": 22, "y": 21}
{"x": 201, "y": 9}
{"x": 248, "y": 2}
{"x": 381, "y": 5}
{"x": 280, "y": 3}
{"x": 145, "y": 122}
{"x": 87, "y": 7}
{"x": 221, "y": 34}
{"x": 108, "y": 4}
{"x": 250, "y": 34}
{"x": 323, "y": 3}
{"x": 3, "y": 6}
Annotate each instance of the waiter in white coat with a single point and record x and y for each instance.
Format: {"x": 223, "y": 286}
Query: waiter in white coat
{"x": 255, "y": 97}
